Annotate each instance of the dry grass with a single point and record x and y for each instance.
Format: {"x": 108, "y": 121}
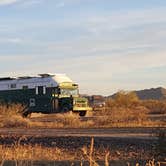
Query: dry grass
{"x": 122, "y": 117}
{"x": 125, "y": 110}
{"x": 130, "y": 100}
{"x": 9, "y": 110}
{"x": 155, "y": 106}
{"x": 36, "y": 152}
{"x": 124, "y": 99}
{"x": 125, "y": 117}
{"x": 14, "y": 121}
{"x": 10, "y": 116}
{"x": 18, "y": 152}
{"x": 64, "y": 120}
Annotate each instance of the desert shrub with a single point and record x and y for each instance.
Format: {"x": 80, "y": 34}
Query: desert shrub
{"x": 124, "y": 99}
{"x": 14, "y": 121}
{"x": 122, "y": 117}
{"x": 155, "y": 106}
{"x": 10, "y": 116}
{"x": 128, "y": 115}
{"x": 33, "y": 152}
{"x": 12, "y": 109}
{"x": 72, "y": 120}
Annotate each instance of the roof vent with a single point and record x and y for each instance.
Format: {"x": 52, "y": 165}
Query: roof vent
{"x": 46, "y": 75}
{"x": 25, "y": 77}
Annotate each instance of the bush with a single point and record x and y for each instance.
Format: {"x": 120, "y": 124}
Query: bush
{"x": 124, "y": 99}
{"x": 14, "y": 121}
{"x": 12, "y": 109}
{"x": 155, "y": 106}
{"x": 10, "y": 116}
{"x": 72, "y": 120}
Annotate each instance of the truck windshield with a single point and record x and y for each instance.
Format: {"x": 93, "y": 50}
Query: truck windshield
{"x": 69, "y": 92}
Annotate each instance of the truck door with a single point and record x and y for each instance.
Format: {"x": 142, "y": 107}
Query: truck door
{"x": 55, "y": 104}
{"x": 55, "y": 100}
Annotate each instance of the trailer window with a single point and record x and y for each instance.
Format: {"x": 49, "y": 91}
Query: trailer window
{"x": 69, "y": 91}
{"x": 25, "y": 87}
{"x": 36, "y": 90}
{"x": 44, "y": 90}
{"x": 13, "y": 86}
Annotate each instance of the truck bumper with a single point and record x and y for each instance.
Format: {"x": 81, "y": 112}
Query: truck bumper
{"x": 82, "y": 109}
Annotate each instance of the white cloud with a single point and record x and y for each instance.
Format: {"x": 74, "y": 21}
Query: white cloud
{"x": 15, "y": 58}
{"x": 108, "y": 45}
{"x": 15, "y": 40}
{"x": 20, "y": 3}
{"x": 60, "y": 5}
{"x": 95, "y": 74}
{"x": 29, "y": 3}
{"x": 8, "y": 2}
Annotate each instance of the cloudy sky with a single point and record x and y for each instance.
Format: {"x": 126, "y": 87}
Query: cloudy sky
{"x": 104, "y": 45}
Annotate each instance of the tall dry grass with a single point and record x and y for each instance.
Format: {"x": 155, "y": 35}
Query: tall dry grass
{"x": 20, "y": 153}
{"x": 10, "y": 116}
{"x": 36, "y": 152}
{"x": 124, "y": 99}
{"x": 73, "y": 120}
{"x": 124, "y": 110}
{"x": 155, "y": 106}
{"x": 130, "y": 100}
{"x": 89, "y": 154}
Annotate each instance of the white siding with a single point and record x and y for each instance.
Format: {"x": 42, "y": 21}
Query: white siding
{"x": 32, "y": 83}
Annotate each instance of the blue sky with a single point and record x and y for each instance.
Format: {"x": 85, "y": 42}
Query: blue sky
{"x": 105, "y": 46}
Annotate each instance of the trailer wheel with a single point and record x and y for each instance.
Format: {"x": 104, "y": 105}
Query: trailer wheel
{"x": 82, "y": 113}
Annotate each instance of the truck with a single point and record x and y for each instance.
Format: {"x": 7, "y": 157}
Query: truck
{"x": 44, "y": 93}
{"x": 97, "y": 102}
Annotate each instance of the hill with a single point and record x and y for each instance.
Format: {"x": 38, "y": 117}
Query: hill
{"x": 153, "y": 93}
{"x": 147, "y": 94}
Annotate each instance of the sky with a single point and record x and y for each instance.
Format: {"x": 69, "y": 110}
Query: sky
{"x": 104, "y": 46}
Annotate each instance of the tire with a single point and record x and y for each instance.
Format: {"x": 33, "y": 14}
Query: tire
{"x": 82, "y": 113}
{"x": 65, "y": 109}
{"x": 25, "y": 113}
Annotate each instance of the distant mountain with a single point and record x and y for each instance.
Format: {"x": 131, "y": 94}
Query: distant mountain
{"x": 153, "y": 93}
{"x": 147, "y": 94}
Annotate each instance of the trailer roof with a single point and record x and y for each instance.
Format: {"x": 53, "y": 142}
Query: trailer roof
{"x": 57, "y": 77}
{"x": 26, "y": 77}
{"x": 6, "y": 78}
{"x": 48, "y": 80}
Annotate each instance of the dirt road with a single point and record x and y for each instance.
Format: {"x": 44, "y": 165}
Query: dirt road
{"x": 53, "y": 118}
{"x": 139, "y": 133}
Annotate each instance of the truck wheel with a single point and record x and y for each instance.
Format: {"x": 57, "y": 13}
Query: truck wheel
{"x": 25, "y": 114}
{"x": 82, "y": 113}
{"x": 65, "y": 109}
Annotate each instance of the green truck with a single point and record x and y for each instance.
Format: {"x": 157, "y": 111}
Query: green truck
{"x": 45, "y": 93}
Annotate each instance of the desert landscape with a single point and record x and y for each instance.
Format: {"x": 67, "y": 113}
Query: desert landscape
{"x": 82, "y": 83}
{"x": 127, "y": 131}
